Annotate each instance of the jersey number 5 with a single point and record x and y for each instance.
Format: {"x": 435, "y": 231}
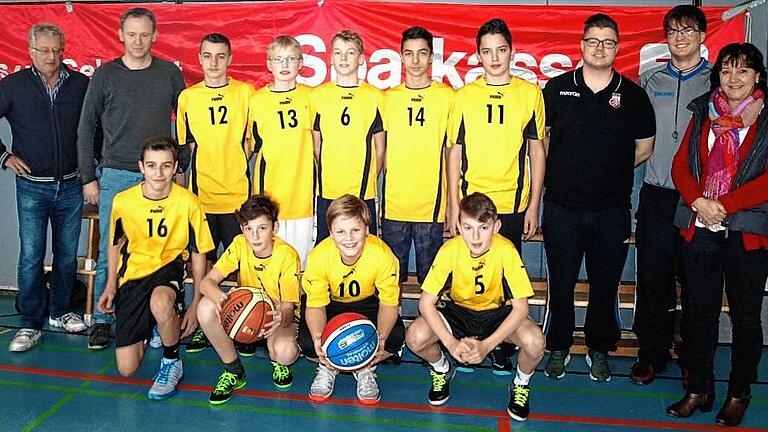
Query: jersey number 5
{"x": 479, "y": 285}
{"x": 222, "y": 110}
{"x": 162, "y": 228}
{"x": 353, "y": 289}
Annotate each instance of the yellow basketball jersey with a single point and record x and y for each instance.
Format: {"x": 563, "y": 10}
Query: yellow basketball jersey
{"x": 347, "y": 118}
{"x": 157, "y": 231}
{"x": 326, "y": 278}
{"x": 216, "y": 120}
{"x": 416, "y": 121}
{"x": 282, "y": 131}
{"x": 492, "y": 123}
{"x": 483, "y": 283}
{"x": 278, "y": 273}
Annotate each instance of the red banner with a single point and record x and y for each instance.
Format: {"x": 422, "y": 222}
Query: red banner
{"x": 546, "y": 37}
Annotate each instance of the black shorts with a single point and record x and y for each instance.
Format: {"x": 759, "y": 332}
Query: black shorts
{"x": 224, "y": 228}
{"x": 463, "y": 322}
{"x": 512, "y": 228}
{"x": 133, "y": 317}
{"x": 368, "y": 307}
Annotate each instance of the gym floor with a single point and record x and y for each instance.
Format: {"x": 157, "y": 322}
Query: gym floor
{"x": 61, "y": 385}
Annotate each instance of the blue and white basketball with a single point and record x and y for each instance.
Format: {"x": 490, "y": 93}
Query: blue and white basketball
{"x": 350, "y": 341}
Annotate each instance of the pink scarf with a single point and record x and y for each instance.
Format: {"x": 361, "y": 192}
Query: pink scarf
{"x": 723, "y": 162}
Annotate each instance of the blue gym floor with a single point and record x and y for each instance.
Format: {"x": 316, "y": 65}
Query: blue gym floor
{"x": 61, "y": 385}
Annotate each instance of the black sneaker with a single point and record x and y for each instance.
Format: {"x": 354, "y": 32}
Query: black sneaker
{"x": 246, "y": 350}
{"x": 227, "y": 384}
{"x": 198, "y": 342}
{"x": 500, "y": 362}
{"x": 282, "y": 377}
{"x": 99, "y": 338}
{"x": 519, "y": 402}
{"x": 440, "y": 390}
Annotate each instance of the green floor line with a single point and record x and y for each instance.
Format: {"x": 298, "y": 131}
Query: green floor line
{"x": 58, "y": 405}
{"x": 72, "y": 391}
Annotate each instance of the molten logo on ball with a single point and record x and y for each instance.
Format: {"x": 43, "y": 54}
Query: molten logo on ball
{"x": 350, "y": 341}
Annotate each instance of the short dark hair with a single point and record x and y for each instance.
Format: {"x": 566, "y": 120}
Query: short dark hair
{"x": 416, "y": 32}
{"x": 139, "y": 12}
{"x": 687, "y": 15}
{"x": 160, "y": 143}
{"x": 217, "y": 38}
{"x": 739, "y": 54}
{"x": 494, "y": 26}
{"x": 480, "y": 207}
{"x": 256, "y": 206}
{"x": 601, "y": 20}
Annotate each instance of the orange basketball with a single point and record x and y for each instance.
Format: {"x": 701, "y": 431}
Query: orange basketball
{"x": 246, "y": 313}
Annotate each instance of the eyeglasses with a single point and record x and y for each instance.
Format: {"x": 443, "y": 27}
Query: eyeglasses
{"x": 687, "y": 32}
{"x": 594, "y": 42}
{"x": 280, "y": 60}
{"x": 46, "y": 51}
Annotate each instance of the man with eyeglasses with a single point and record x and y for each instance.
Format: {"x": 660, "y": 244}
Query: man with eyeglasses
{"x": 282, "y": 130}
{"x": 42, "y": 105}
{"x": 212, "y": 119}
{"x": 130, "y": 99}
{"x": 600, "y": 126}
{"x": 670, "y": 87}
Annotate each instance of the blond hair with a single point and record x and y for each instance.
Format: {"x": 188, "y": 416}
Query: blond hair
{"x": 349, "y": 36}
{"x": 283, "y": 41}
{"x": 348, "y": 206}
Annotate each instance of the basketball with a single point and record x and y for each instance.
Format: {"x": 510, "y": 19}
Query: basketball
{"x": 245, "y": 314}
{"x": 350, "y": 341}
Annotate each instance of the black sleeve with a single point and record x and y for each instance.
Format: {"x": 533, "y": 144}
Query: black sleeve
{"x": 645, "y": 123}
{"x": 550, "y": 103}
{"x": 5, "y": 107}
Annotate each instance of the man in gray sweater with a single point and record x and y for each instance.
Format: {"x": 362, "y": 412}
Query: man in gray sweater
{"x": 131, "y": 98}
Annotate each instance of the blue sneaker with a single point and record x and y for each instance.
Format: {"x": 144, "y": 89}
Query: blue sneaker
{"x": 166, "y": 379}
{"x": 155, "y": 342}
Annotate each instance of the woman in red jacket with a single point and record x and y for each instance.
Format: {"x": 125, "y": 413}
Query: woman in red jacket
{"x": 720, "y": 172}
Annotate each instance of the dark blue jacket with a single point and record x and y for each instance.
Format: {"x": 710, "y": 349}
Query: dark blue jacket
{"x": 44, "y": 133}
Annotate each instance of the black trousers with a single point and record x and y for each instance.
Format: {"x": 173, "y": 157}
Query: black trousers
{"x": 658, "y": 244}
{"x": 709, "y": 260}
{"x": 596, "y": 236}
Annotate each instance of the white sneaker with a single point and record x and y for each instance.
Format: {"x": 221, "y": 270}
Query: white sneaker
{"x": 25, "y": 339}
{"x": 367, "y": 387}
{"x": 70, "y": 322}
{"x": 155, "y": 342}
{"x": 322, "y": 386}
{"x": 166, "y": 379}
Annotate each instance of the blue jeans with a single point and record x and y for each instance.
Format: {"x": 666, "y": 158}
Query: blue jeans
{"x": 37, "y": 203}
{"x": 111, "y": 182}
{"x": 427, "y": 237}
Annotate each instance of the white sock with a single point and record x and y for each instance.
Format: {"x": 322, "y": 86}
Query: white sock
{"x": 522, "y": 378}
{"x": 442, "y": 365}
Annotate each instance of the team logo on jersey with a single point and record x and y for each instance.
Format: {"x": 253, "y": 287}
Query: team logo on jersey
{"x": 418, "y": 98}
{"x": 348, "y": 96}
{"x": 259, "y": 267}
{"x": 569, "y": 93}
{"x": 497, "y": 95}
{"x": 157, "y": 210}
{"x": 217, "y": 98}
{"x": 286, "y": 101}
{"x": 479, "y": 266}
{"x": 351, "y": 272}
{"x": 615, "y": 100}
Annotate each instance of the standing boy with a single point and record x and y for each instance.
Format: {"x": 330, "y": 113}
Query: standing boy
{"x": 264, "y": 262}
{"x": 153, "y": 226}
{"x": 349, "y": 140}
{"x": 474, "y": 315}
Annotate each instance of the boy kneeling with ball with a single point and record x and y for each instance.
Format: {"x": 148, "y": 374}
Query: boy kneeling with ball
{"x": 264, "y": 261}
{"x": 351, "y": 271}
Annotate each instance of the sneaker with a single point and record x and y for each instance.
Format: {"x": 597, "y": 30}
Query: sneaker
{"x": 500, "y": 363}
{"x": 166, "y": 379}
{"x": 642, "y": 373}
{"x": 441, "y": 386}
{"x": 25, "y": 339}
{"x": 246, "y": 350}
{"x": 70, "y": 322}
{"x": 99, "y": 338}
{"x": 227, "y": 384}
{"x": 519, "y": 401}
{"x": 598, "y": 366}
{"x": 367, "y": 387}
{"x": 465, "y": 368}
{"x": 197, "y": 343}
{"x": 322, "y": 386}
{"x": 556, "y": 364}
{"x": 155, "y": 342}
{"x": 281, "y": 375}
